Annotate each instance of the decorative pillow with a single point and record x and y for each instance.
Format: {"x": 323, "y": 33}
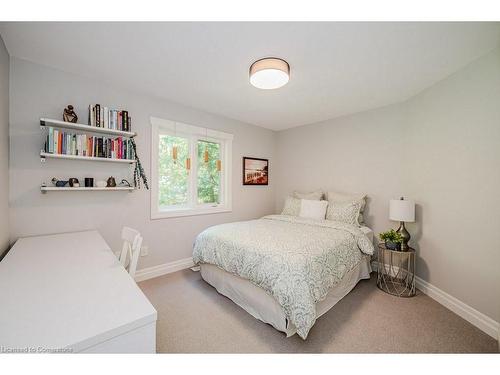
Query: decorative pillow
{"x": 292, "y": 207}
{"x": 345, "y": 212}
{"x": 313, "y": 195}
{"x": 334, "y": 196}
{"x": 313, "y": 209}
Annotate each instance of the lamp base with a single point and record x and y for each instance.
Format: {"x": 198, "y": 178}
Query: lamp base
{"x": 405, "y": 235}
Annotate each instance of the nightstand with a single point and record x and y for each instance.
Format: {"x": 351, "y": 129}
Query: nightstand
{"x": 396, "y": 271}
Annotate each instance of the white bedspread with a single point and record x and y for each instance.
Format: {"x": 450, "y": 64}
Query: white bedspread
{"x": 295, "y": 260}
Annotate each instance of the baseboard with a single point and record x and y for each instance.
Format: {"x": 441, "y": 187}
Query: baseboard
{"x": 163, "y": 269}
{"x": 476, "y": 318}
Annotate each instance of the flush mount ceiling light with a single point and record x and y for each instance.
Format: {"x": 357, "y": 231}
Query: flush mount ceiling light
{"x": 269, "y": 73}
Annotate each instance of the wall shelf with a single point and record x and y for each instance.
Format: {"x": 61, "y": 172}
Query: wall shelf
{"x": 44, "y": 155}
{"x": 45, "y": 189}
{"x": 44, "y": 122}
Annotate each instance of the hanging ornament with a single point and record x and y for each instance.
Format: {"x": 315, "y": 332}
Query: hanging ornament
{"x": 205, "y": 156}
{"x": 174, "y": 154}
{"x": 188, "y": 164}
{"x": 174, "y": 148}
{"x": 219, "y": 165}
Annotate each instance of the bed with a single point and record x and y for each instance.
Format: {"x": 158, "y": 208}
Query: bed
{"x": 284, "y": 270}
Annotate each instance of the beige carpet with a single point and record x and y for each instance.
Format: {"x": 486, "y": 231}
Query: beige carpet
{"x": 194, "y": 318}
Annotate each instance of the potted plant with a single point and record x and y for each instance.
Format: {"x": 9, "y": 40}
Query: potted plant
{"x": 392, "y": 239}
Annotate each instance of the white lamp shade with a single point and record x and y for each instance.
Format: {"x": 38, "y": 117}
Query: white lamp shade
{"x": 270, "y": 73}
{"x": 402, "y": 210}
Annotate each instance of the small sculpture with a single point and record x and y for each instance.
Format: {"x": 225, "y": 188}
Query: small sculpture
{"x": 111, "y": 182}
{"x": 69, "y": 114}
{"x": 58, "y": 183}
{"x": 73, "y": 182}
{"x": 125, "y": 183}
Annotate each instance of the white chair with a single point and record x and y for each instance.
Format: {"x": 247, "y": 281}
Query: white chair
{"x": 131, "y": 249}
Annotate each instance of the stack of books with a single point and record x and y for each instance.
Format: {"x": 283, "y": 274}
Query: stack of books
{"x": 103, "y": 117}
{"x": 63, "y": 143}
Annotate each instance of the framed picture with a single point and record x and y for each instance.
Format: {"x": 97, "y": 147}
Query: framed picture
{"x": 255, "y": 171}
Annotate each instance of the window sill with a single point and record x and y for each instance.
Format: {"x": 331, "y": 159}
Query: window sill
{"x": 189, "y": 212}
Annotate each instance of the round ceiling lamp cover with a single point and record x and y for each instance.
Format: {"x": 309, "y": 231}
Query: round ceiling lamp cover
{"x": 269, "y": 73}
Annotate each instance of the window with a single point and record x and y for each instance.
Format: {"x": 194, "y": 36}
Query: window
{"x": 191, "y": 168}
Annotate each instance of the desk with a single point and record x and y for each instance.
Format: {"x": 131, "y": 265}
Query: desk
{"x": 68, "y": 291}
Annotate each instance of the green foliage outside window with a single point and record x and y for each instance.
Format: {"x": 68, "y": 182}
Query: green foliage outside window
{"x": 173, "y": 178}
{"x": 208, "y": 176}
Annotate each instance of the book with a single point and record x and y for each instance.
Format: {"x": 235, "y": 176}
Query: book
{"x": 98, "y": 115}
{"x": 50, "y": 141}
{"x": 119, "y": 121}
{"x": 106, "y": 118}
{"x": 56, "y": 141}
{"x": 91, "y": 121}
{"x": 124, "y": 120}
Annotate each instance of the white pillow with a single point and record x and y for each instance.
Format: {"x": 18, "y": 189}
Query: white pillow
{"x": 313, "y": 195}
{"x": 313, "y": 209}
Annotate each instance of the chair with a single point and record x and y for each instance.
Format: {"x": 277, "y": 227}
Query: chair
{"x": 131, "y": 249}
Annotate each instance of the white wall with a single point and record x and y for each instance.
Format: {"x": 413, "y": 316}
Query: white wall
{"x": 351, "y": 154}
{"x": 453, "y": 161}
{"x": 442, "y": 149}
{"x": 38, "y": 91}
{"x": 4, "y": 148}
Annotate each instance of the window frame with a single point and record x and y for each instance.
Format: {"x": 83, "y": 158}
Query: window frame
{"x": 193, "y": 134}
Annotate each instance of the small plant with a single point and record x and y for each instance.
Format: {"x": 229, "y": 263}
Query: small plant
{"x": 391, "y": 236}
{"x": 139, "y": 173}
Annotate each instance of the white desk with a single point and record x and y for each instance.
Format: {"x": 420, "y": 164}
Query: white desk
{"x": 69, "y": 291}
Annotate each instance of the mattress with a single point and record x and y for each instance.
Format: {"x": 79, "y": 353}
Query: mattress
{"x": 264, "y": 307}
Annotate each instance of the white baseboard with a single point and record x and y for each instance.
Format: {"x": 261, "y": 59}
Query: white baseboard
{"x": 477, "y": 318}
{"x": 163, "y": 269}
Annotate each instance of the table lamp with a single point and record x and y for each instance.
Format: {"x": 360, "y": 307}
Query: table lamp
{"x": 403, "y": 211}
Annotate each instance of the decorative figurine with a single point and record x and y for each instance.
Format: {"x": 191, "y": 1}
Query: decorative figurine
{"x": 125, "y": 183}
{"x": 73, "y": 182}
{"x": 69, "y": 114}
{"x": 111, "y": 182}
{"x": 58, "y": 183}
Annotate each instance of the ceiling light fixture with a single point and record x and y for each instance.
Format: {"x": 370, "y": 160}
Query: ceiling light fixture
{"x": 269, "y": 73}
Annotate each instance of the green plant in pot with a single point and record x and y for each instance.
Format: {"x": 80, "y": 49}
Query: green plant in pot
{"x": 392, "y": 239}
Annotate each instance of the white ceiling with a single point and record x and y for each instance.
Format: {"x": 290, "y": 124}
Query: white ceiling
{"x": 336, "y": 68}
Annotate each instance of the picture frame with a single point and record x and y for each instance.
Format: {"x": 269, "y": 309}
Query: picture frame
{"x": 255, "y": 171}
